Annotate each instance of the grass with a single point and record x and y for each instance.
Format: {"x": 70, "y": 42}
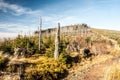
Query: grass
{"x": 115, "y": 35}
{"x": 84, "y": 65}
{"x": 113, "y": 72}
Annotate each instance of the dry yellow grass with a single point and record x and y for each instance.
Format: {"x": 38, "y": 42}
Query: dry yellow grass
{"x": 88, "y": 63}
{"x": 113, "y": 72}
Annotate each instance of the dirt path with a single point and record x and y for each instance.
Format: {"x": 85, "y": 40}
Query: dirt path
{"x": 95, "y": 72}
{"x": 98, "y": 72}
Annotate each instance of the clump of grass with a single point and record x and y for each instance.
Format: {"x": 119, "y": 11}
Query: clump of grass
{"x": 113, "y": 72}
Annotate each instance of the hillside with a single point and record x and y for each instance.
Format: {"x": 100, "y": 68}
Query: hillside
{"x": 73, "y": 30}
{"x": 112, "y": 34}
{"x": 85, "y": 54}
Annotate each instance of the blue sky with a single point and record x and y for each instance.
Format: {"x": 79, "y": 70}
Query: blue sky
{"x": 22, "y": 16}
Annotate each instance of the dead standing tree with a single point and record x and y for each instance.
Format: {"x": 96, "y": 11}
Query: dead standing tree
{"x": 40, "y": 34}
{"x": 57, "y": 42}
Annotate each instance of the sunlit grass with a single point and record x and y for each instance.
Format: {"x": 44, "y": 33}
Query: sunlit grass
{"x": 88, "y": 63}
{"x": 113, "y": 72}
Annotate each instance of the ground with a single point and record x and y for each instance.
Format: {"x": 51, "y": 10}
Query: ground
{"x": 95, "y": 72}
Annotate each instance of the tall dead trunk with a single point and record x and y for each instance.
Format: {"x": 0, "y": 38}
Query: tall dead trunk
{"x": 40, "y": 34}
{"x": 57, "y": 42}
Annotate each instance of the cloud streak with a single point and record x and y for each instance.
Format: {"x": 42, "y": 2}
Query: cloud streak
{"x": 16, "y": 9}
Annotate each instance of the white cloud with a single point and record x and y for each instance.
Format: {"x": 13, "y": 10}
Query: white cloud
{"x": 16, "y": 28}
{"x": 16, "y": 9}
{"x": 7, "y": 35}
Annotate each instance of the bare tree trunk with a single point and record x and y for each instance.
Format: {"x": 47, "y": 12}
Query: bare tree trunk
{"x": 40, "y": 33}
{"x": 57, "y": 42}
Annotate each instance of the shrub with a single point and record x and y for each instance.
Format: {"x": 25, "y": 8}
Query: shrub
{"x": 6, "y": 49}
{"x": 45, "y": 69}
{"x": 88, "y": 40}
{"x": 3, "y": 62}
{"x": 49, "y": 52}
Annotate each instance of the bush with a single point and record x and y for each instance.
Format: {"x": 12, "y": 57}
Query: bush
{"x": 6, "y": 49}
{"x": 45, "y": 69}
{"x": 50, "y": 52}
{"x": 3, "y": 62}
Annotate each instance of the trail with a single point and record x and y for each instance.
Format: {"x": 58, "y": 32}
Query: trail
{"x": 94, "y": 72}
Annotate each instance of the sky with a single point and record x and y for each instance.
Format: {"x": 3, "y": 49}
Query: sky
{"x": 23, "y": 16}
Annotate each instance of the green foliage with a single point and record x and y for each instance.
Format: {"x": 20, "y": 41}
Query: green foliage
{"x": 31, "y": 44}
{"x": 25, "y": 42}
{"x": 3, "y": 62}
{"x": 48, "y": 42}
{"x": 45, "y": 69}
{"x": 63, "y": 57}
{"x": 88, "y": 40}
{"x": 50, "y": 52}
{"x": 6, "y": 46}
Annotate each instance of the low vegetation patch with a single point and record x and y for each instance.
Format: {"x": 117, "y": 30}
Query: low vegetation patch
{"x": 3, "y": 62}
{"x": 44, "y": 68}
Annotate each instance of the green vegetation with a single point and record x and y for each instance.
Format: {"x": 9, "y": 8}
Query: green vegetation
{"x": 41, "y": 65}
{"x": 3, "y": 62}
{"x": 44, "y": 68}
{"x": 31, "y": 44}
